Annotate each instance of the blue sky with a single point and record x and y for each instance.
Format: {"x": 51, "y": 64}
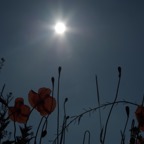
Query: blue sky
{"x": 102, "y": 36}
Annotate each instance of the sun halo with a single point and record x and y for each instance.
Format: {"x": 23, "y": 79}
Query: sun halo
{"x": 60, "y": 28}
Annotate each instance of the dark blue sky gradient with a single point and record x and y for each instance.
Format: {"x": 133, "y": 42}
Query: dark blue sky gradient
{"x": 103, "y": 35}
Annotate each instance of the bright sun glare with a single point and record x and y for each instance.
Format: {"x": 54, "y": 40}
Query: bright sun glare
{"x": 60, "y": 28}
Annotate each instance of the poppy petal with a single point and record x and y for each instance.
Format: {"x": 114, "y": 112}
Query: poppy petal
{"x": 25, "y": 110}
{"x": 22, "y": 119}
{"x": 18, "y": 102}
{"x": 20, "y": 112}
{"x": 43, "y": 92}
{"x": 24, "y": 114}
{"x": 33, "y": 98}
{"x": 50, "y": 104}
{"x": 19, "y": 99}
{"x": 47, "y": 106}
{"x": 42, "y": 110}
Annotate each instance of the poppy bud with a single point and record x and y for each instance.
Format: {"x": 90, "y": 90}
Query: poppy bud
{"x": 52, "y": 79}
{"x": 10, "y": 93}
{"x": 127, "y": 111}
{"x": 119, "y": 70}
{"x": 66, "y": 99}
{"x": 59, "y": 69}
{"x": 2, "y": 59}
{"x": 43, "y": 134}
{"x": 67, "y": 117}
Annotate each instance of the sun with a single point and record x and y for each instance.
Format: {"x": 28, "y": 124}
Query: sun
{"x": 60, "y": 28}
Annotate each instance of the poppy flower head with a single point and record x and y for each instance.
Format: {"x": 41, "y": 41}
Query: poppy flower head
{"x": 43, "y": 92}
{"x": 47, "y": 106}
{"x": 140, "y": 117}
{"x": 20, "y": 112}
{"x": 42, "y": 101}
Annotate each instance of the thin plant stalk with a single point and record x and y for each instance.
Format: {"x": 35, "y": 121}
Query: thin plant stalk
{"x": 14, "y": 130}
{"x": 98, "y": 98}
{"x": 88, "y": 133}
{"x": 65, "y": 118}
{"x": 38, "y": 129}
{"x": 123, "y": 133}
{"x": 1, "y": 94}
{"x": 45, "y": 123}
{"x": 105, "y": 130}
{"x": 59, "y": 72}
{"x": 64, "y": 123}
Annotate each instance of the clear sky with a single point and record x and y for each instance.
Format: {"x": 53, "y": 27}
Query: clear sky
{"x": 102, "y": 35}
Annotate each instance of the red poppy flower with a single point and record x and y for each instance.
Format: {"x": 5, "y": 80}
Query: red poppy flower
{"x": 42, "y": 101}
{"x": 140, "y": 117}
{"x": 20, "y": 112}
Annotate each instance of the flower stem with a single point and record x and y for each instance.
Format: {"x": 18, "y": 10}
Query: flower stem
{"x": 98, "y": 98}
{"x": 14, "y": 130}
{"x": 105, "y": 130}
{"x": 59, "y": 72}
{"x": 38, "y": 129}
{"x": 86, "y": 132}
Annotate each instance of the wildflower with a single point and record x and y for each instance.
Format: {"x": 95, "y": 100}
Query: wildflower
{"x": 20, "y": 112}
{"x": 140, "y": 117}
{"x": 42, "y": 101}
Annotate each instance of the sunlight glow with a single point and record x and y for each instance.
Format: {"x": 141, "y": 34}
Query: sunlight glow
{"x": 60, "y": 28}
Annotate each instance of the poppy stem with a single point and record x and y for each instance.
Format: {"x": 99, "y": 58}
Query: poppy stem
{"x": 14, "y": 130}
{"x": 1, "y": 94}
{"x": 38, "y": 129}
{"x": 45, "y": 123}
{"x": 86, "y": 132}
{"x": 105, "y": 130}
{"x": 123, "y": 133}
{"x": 52, "y": 79}
{"x": 64, "y": 123}
{"x": 98, "y": 98}
{"x": 59, "y": 72}
{"x": 30, "y": 114}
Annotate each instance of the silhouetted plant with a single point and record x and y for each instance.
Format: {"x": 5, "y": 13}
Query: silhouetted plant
{"x": 4, "y": 120}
